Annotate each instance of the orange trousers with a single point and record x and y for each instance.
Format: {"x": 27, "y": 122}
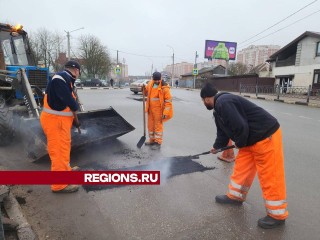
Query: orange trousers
{"x": 155, "y": 125}
{"x": 265, "y": 158}
{"x": 58, "y": 132}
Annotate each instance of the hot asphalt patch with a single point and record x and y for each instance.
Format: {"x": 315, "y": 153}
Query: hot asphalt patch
{"x": 168, "y": 167}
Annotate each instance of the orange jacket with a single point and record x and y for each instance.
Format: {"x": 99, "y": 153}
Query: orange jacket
{"x": 165, "y": 99}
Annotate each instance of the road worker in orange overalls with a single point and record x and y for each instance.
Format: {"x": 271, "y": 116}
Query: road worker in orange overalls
{"x": 257, "y": 134}
{"x": 159, "y": 108}
{"x": 57, "y": 117}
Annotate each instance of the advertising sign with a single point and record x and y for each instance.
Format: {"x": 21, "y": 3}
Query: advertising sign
{"x": 220, "y": 50}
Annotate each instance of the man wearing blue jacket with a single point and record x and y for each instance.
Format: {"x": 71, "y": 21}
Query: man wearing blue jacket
{"x": 58, "y": 114}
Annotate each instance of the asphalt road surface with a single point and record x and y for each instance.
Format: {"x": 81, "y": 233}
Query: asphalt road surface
{"x": 183, "y": 206}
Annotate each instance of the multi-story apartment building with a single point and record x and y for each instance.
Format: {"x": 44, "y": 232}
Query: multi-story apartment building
{"x": 179, "y": 69}
{"x": 255, "y": 55}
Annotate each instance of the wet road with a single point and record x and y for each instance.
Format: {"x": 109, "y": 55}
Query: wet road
{"x": 183, "y": 206}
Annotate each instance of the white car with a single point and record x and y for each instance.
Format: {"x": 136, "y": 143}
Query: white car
{"x": 136, "y": 86}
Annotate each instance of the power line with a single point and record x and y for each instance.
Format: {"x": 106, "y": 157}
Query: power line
{"x": 284, "y": 27}
{"x": 278, "y": 22}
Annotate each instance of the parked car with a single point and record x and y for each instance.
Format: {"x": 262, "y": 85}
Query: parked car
{"x": 77, "y": 83}
{"x": 136, "y": 86}
{"x": 104, "y": 83}
{"x": 94, "y": 82}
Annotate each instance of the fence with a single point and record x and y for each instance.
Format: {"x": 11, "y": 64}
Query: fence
{"x": 306, "y": 93}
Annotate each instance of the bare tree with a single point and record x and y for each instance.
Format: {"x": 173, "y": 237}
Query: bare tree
{"x": 95, "y": 57}
{"x": 237, "y": 69}
{"x": 46, "y": 47}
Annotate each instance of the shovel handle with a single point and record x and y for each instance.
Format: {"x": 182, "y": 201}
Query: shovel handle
{"x": 225, "y": 148}
{"x": 144, "y": 110}
{"x": 218, "y": 150}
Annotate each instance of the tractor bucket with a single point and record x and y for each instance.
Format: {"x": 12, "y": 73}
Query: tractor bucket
{"x": 96, "y": 126}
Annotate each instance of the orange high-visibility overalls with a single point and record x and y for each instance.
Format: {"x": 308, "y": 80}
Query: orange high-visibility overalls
{"x": 266, "y": 158}
{"x": 57, "y": 128}
{"x": 159, "y": 103}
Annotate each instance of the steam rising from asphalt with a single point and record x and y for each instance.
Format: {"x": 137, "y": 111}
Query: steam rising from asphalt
{"x": 164, "y": 166}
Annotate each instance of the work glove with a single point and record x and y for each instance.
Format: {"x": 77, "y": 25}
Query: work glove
{"x": 213, "y": 151}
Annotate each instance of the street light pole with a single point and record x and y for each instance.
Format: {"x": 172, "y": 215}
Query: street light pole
{"x": 151, "y": 67}
{"x": 68, "y": 37}
{"x": 172, "y": 65}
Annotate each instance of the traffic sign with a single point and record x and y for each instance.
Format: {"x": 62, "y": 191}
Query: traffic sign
{"x": 117, "y": 70}
{"x": 195, "y": 72}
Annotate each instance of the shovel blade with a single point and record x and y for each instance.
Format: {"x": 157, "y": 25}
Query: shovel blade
{"x": 141, "y": 141}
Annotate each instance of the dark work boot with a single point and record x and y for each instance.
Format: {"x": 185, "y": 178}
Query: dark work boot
{"x": 270, "y": 222}
{"x": 224, "y": 199}
{"x": 156, "y": 146}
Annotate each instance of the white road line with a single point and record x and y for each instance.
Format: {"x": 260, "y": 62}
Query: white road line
{"x": 287, "y": 113}
{"x": 305, "y": 117}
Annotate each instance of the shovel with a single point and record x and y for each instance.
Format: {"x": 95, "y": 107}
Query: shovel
{"x": 218, "y": 150}
{"x": 143, "y": 138}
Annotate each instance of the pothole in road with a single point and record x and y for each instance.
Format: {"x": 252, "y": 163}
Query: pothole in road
{"x": 168, "y": 167}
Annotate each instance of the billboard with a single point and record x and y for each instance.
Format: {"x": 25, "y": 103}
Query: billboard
{"x": 220, "y": 50}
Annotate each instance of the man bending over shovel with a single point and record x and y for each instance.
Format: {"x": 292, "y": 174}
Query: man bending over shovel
{"x": 257, "y": 134}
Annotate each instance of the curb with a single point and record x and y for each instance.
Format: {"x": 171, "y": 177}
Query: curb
{"x": 301, "y": 103}
{"x": 14, "y": 211}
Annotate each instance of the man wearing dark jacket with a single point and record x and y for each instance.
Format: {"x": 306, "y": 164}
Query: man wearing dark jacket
{"x": 58, "y": 114}
{"x": 257, "y": 134}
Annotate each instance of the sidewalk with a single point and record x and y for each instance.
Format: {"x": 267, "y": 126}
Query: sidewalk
{"x": 290, "y": 100}
{"x": 269, "y": 97}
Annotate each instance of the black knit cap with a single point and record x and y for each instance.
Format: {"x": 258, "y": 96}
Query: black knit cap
{"x": 156, "y": 76}
{"x": 208, "y": 90}
{"x": 72, "y": 64}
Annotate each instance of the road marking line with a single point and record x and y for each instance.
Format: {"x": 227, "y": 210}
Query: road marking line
{"x": 288, "y": 113}
{"x": 305, "y": 117}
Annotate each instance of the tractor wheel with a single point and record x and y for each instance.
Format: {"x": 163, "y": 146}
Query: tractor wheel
{"x": 6, "y": 124}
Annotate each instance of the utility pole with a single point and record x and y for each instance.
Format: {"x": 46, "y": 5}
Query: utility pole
{"x": 117, "y": 57}
{"x": 172, "y": 83}
{"x": 68, "y": 37}
{"x": 195, "y": 67}
{"x": 117, "y": 75}
{"x": 124, "y": 68}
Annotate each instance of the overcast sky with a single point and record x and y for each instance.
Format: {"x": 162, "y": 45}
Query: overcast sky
{"x": 147, "y": 27}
